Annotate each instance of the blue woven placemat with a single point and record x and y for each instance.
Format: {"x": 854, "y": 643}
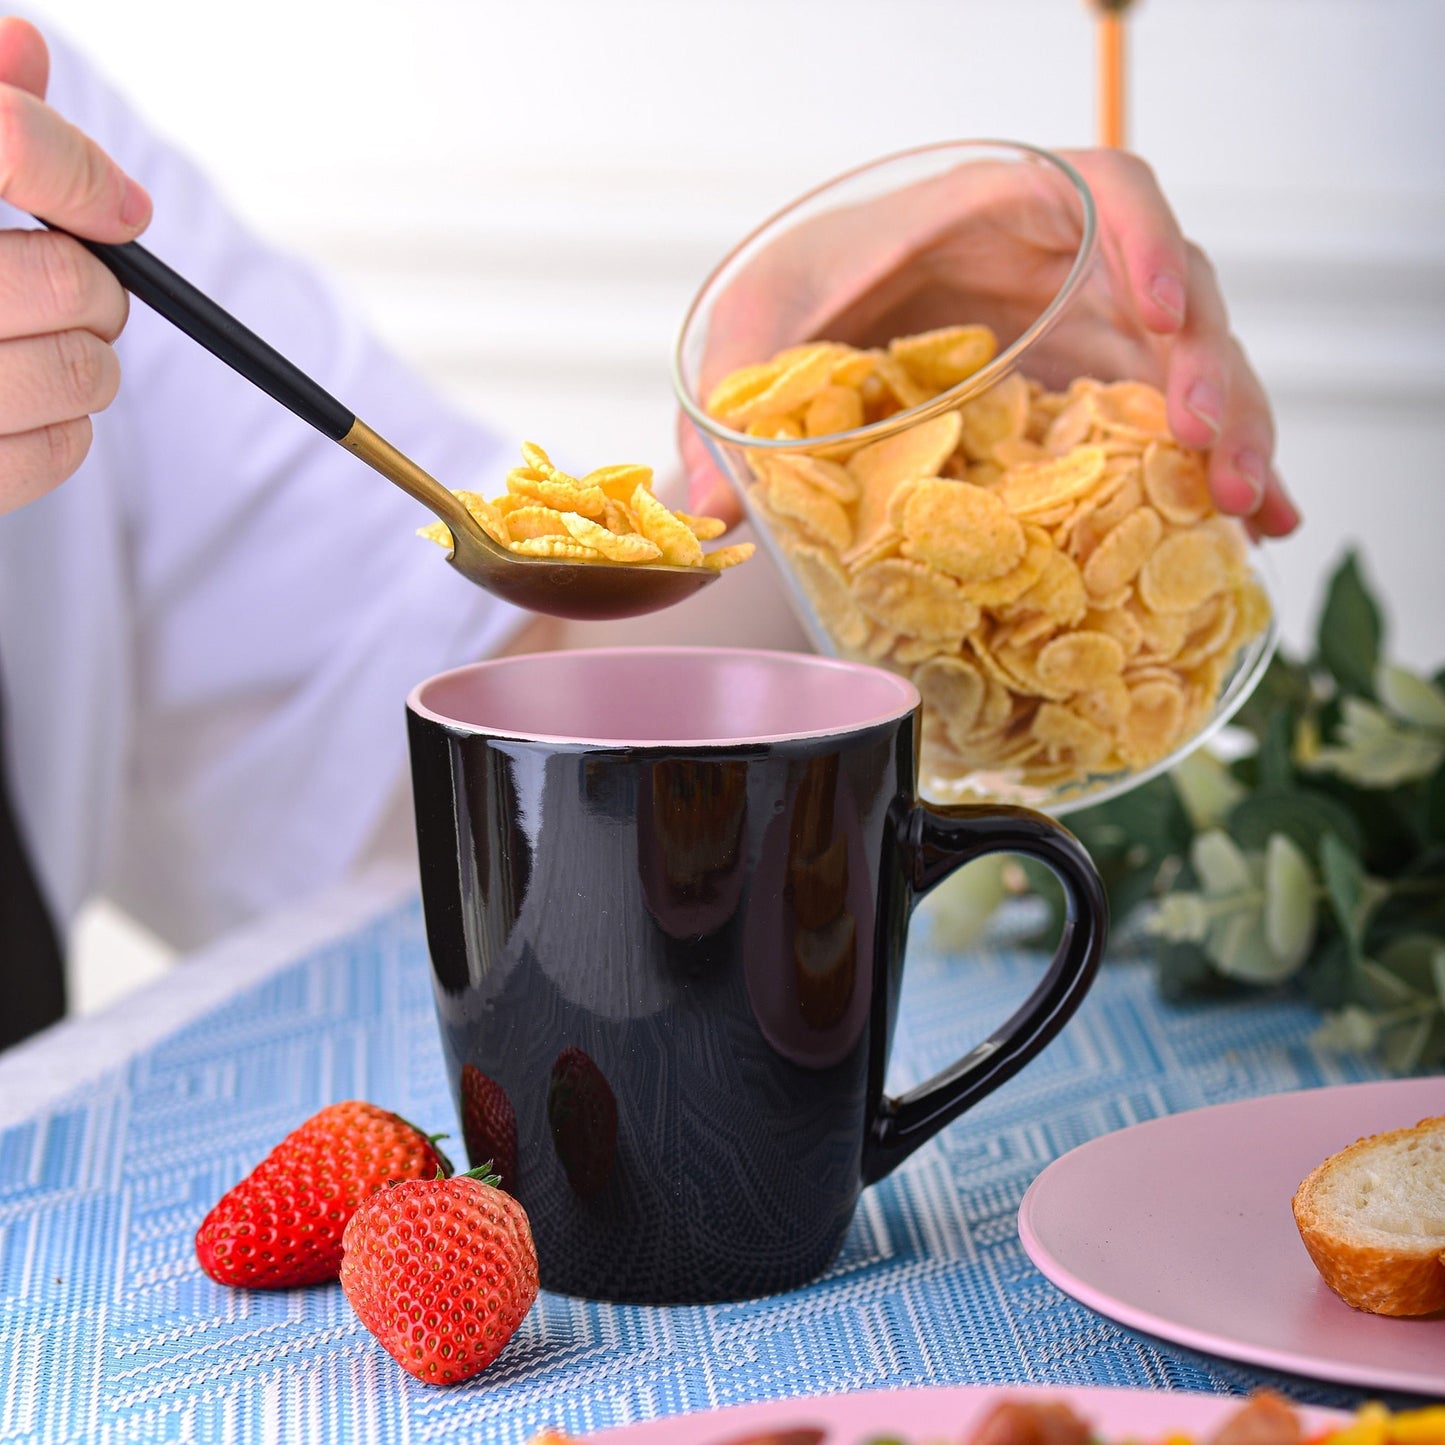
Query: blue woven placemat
{"x": 109, "y": 1331}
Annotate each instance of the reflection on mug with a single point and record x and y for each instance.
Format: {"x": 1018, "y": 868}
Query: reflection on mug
{"x": 582, "y": 1115}
{"x": 825, "y": 967}
{"x": 489, "y": 1125}
{"x": 819, "y": 884}
{"x": 811, "y": 827}
{"x": 825, "y": 934}
{"x": 689, "y": 840}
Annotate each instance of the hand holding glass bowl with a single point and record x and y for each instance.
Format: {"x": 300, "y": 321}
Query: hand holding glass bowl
{"x": 975, "y": 482}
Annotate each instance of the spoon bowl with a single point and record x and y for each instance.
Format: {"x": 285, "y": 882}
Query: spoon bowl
{"x": 583, "y": 591}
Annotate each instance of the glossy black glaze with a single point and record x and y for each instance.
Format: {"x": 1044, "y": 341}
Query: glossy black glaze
{"x": 681, "y": 966}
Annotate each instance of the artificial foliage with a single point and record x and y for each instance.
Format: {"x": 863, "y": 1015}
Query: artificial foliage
{"x": 1310, "y": 853}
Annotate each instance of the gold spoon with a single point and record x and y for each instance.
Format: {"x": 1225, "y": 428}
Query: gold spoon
{"x": 583, "y": 590}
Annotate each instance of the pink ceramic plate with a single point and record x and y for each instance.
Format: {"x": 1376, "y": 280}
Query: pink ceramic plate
{"x": 1181, "y": 1227}
{"x": 935, "y": 1414}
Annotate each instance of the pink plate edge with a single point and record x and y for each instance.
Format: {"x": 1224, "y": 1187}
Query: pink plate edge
{"x": 1134, "y": 1317}
{"x": 932, "y": 1408}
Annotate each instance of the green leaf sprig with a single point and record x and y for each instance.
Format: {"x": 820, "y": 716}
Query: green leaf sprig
{"x": 1316, "y": 858}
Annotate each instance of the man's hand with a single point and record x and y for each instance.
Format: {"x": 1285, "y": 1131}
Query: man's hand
{"x": 1215, "y": 399}
{"x": 60, "y": 309}
{"x": 1160, "y": 301}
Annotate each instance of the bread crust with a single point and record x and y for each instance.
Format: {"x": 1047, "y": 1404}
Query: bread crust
{"x": 1403, "y": 1278}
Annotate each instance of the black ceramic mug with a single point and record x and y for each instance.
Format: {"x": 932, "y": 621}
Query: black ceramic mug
{"x": 667, "y": 892}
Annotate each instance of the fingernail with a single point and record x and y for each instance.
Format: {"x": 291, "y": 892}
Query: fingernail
{"x": 1289, "y": 517}
{"x": 1205, "y": 401}
{"x": 1168, "y": 293}
{"x": 1252, "y": 469}
{"x": 135, "y": 204}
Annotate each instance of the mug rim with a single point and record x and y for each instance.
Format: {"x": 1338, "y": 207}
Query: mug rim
{"x": 979, "y": 381}
{"x": 908, "y": 697}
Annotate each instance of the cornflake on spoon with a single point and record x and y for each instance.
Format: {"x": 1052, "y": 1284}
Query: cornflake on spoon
{"x": 609, "y": 515}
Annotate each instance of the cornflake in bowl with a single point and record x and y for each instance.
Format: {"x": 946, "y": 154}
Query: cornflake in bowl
{"x": 1026, "y": 542}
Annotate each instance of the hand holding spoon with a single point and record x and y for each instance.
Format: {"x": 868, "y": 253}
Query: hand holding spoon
{"x": 581, "y": 590}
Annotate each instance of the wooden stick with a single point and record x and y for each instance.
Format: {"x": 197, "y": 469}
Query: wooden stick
{"x": 1110, "y": 71}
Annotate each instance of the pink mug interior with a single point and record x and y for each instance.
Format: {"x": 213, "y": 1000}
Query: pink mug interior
{"x": 643, "y": 696}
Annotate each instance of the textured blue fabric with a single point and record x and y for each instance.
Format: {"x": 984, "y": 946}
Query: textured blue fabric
{"x": 109, "y": 1331}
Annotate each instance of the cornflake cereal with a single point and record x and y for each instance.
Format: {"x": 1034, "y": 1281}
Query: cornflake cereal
{"x": 610, "y": 515}
{"x": 1048, "y": 567}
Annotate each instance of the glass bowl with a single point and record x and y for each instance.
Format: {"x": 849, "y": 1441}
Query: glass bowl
{"x": 949, "y": 434}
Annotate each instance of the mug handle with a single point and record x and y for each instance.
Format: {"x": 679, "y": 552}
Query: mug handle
{"x": 931, "y": 842}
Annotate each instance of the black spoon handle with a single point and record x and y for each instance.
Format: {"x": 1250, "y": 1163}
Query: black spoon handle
{"x": 184, "y": 306}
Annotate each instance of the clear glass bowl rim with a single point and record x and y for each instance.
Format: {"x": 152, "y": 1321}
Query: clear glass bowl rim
{"x": 979, "y": 381}
{"x": 1252, "y": 659}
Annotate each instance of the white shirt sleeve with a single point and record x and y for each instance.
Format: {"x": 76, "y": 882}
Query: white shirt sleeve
{"x": 234, "y": 605}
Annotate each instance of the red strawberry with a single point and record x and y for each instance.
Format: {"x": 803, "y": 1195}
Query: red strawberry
{"x": 282, "y": 1224}
{"x": 489, "y": 1125}
{"x": 441, "y": 1271}
{"x": 582, "y": 1113}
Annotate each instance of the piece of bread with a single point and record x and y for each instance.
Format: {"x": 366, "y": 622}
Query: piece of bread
{"x": 1373, "y": 1220}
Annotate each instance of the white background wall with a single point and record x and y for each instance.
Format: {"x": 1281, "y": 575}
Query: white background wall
{"x": 522, "y": 194}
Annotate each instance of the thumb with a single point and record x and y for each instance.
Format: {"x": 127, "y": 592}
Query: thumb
{"x": 24, "y": 60}
{"x": 47, "y": 166}
{"x": 708, "y": 491}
